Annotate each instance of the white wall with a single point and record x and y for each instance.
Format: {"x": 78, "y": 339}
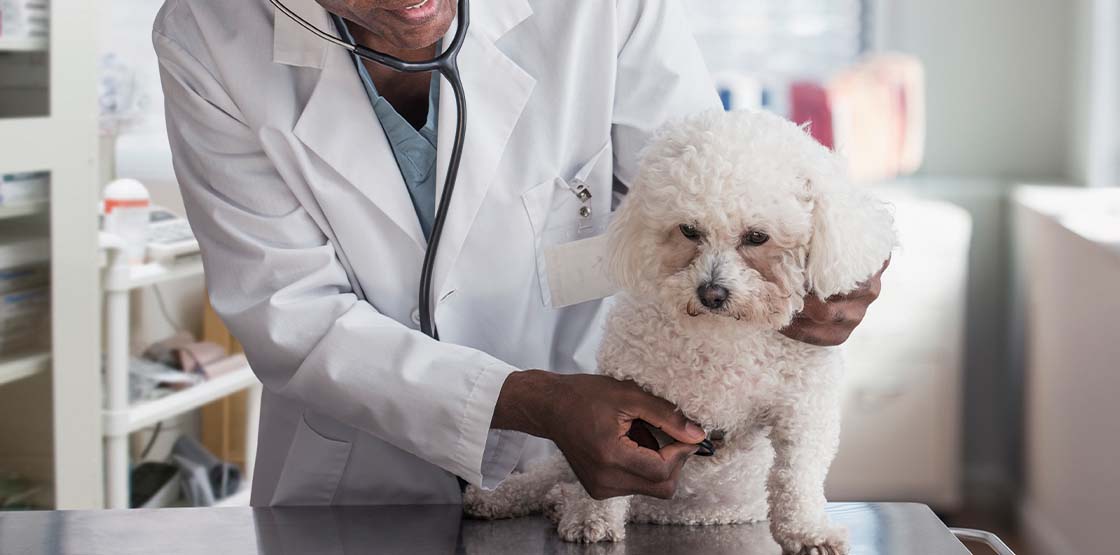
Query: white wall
{"x": 1095, "y": 144}
{"x": 999, "y": 81}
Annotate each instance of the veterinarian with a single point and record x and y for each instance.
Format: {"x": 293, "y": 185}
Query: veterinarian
{"x": 310, "y": 179}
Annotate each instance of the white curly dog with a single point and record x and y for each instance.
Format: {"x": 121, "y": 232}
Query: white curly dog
{"x": 733, "y": 218}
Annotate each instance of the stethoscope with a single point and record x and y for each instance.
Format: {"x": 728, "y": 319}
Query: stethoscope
{"x": 447, "y": 65}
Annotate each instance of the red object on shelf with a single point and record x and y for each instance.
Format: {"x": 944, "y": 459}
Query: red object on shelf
{"x": 811, "y": 108}
{"x": 873, "y": 113}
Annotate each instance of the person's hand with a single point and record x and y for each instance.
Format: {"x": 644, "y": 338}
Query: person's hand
{"x": 589, "y": 418}
{"x": 830, "y": 322}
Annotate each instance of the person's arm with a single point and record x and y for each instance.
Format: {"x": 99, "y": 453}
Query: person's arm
{"x": 274, "y": 278}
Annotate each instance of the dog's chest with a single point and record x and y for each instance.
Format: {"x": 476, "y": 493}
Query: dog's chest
{"x": 727, "y": 379}
{"x": 721, "y": 391}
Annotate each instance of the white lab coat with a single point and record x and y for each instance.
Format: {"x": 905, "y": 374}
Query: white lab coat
{"x": 313, "y": 250}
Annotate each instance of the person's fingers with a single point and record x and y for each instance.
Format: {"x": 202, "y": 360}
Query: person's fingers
{"x": 678, "y": 453}
{"x": 631, "y": 484}
{"x": 821, "y": 335}
{"x": 641, "y": 462}
{"x": 640, "y": 434}
{"x": 664, "y": 416}
{"x": 653, "y": 465}
{"x": 815, "y": 309}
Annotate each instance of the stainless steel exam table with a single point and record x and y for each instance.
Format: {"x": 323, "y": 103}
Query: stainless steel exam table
{"x": 876, "y": 529}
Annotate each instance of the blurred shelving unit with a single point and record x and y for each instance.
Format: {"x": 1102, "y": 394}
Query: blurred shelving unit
{"x": 121, "y": 417}
{"x": 29, "y": 44}
{"x": 48, "y": 123}
{"x": 17, "y": 367}
{"x": 23, "y": 210}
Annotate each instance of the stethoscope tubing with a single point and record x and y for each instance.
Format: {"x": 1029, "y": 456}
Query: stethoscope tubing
{"x": 447, "y": 64}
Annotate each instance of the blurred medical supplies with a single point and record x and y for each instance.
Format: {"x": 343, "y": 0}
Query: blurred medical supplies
{"x": 117, "y": 94}
{"x": 21, "y": 245}
{"x": 738, "y": 90}
{"x": 24, "y": 19}
{"x": 169, "y": 236}
{"x": 24, "y": 188}
{"x": 17, "y": 492}
{"x": 204, "y": 358}
{"x": 24, "y": 277}
{"x": 153, "y": 485}
{"x": 149, "y": 379}
{"x": 125, "y": 206}
{"x": 24, "y": 289}
{"x": 872, "y": 112}
{"x": 178, "y": 362}
{"x": 24, "y": 320}
{"x": 205, "y": 478}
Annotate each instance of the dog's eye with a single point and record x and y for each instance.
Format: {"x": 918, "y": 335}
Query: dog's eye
{"x": 755, "y": 238}
{"x": 690, "y": 231}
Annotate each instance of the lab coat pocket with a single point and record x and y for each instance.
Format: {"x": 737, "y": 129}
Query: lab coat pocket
{"x": 569, "y": 218}
{"x": 312, "y": 469}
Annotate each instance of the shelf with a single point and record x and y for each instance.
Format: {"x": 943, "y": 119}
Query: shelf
{"x": 17, "y": 367}
{"x": 24, "y": 44}
{"x": 120, "y": 276}
{"x": 148, "y": 413}
{"x": 21, "y": 210}
{"x": 152, "y": 273}
{"x": 23, "y": 248}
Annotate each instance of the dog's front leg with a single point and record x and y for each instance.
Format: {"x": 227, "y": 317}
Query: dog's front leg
{"x": 805, "y": 438}
{"x": 580, "y": 518}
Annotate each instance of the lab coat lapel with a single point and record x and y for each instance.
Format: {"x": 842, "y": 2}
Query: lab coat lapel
{"x": 292, "y": 44}
{"x": 497, "y": 91}
{"x": 339, "y": 125}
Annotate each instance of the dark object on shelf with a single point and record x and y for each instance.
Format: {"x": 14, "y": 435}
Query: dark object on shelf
{"x": 206, "y": 479}
{"x": 152, "y": 481}
{"x": 17, "y": 493}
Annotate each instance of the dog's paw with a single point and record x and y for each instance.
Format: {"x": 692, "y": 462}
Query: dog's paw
{"x": 553, "y": 506}
{"x": 830, "y": 541}
{"x": 479, "y": 503}
{"x": 591, "y": 530}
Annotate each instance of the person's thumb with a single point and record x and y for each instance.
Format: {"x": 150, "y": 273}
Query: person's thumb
{"x": 665, "y": 417}
{"x": 677, "y": 453}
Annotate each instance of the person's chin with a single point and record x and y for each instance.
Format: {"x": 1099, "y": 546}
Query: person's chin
{"x": 424, "y": 29}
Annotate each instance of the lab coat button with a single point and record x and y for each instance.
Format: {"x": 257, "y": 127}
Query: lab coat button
{"x": 416, "y": 316}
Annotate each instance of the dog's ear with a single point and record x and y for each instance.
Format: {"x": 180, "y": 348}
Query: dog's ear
{"x": 627, "y": 250}
{"x": 853, "y": 234}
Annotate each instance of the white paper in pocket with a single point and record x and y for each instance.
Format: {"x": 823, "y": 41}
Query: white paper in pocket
{"x": 577, "y": 272}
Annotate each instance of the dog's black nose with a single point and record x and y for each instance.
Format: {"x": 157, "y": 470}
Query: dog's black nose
{"x": 711, "y": 295}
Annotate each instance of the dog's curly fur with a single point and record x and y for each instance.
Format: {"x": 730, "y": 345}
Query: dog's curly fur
{"x": 726, "y": 367}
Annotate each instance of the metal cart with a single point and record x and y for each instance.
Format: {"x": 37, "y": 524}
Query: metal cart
{"x": 979, "y": 536}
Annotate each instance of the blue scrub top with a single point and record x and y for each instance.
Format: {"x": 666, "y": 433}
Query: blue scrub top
{"x": 415, "y": 150}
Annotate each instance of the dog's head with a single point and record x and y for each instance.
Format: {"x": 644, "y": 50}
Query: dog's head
{"x": 738, "y": 215}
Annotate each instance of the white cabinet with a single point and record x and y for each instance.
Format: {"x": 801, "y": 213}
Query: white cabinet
{"x": 121, "y": 417}
{"x": 1069, "y": 238}
{"x": 55, "y": 81}
{"x": 901, "y": 433}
